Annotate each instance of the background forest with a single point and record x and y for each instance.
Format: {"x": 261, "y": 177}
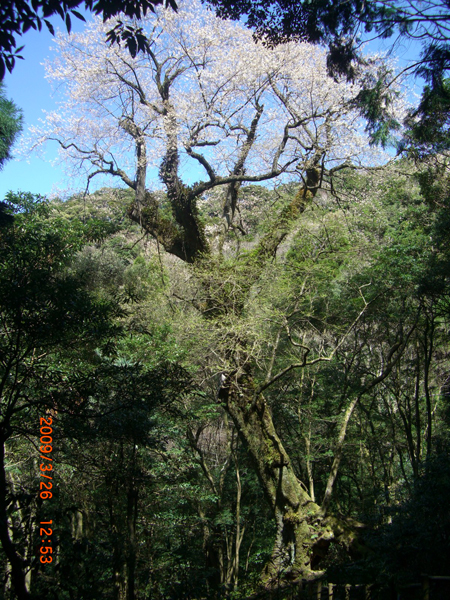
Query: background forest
{"x": 246, "y": 385}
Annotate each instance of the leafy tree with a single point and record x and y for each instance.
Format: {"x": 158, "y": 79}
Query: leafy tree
{"x": 65, "y": 356}
{"x": 412, "y": 540}
{"x": 427, "y": 134}
{"x": 10, "y": 125}
{"x": 44, "y": 316}
{"x": 107, "y": 450}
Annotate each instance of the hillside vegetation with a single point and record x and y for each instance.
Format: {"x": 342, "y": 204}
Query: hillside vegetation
{"x": 276, "y": 410}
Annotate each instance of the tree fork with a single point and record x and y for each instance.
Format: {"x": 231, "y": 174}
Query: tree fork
{"x": 183, "y": 236}
{"x": 299, "y": 522}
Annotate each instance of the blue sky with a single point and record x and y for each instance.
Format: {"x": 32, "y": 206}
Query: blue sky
{"x": 28, "y": 88}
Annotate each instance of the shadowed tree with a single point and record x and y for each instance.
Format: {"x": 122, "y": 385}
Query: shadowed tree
{"x": 11, "y": 119}
{"x": 44, "y": 312}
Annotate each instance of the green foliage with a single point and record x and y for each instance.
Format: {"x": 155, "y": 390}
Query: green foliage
{"x": 46, "y": 307}
{"x": 415, "y": 540}
{"x": 49, "y": 323}
{"x": 129, "y": 347}
{"x": 11, "y": 122}
{"x": 374, "y": 101}
{"x": 18, "y": 17}
{"x": 428, "y": 131}
{"x": 59, "y": 326}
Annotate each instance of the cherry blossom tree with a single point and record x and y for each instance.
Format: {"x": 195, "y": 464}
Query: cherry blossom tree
{"x": 206, "y": 95}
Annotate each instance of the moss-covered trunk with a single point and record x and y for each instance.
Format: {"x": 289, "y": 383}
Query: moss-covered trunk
{"x": 299, "y": 520}
{"x": 300, "y": 527}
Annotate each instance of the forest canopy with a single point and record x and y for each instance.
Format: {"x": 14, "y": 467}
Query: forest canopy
{"x": 246, "y": 376}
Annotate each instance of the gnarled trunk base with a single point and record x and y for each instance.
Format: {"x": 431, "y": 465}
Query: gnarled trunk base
{"x": 300, "y": 524}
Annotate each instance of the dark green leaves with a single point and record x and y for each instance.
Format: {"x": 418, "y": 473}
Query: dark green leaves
{"x": 429, "y": 124}
{"x": 11, "y": 120}
{"x": 133, "y": 37}
{"x": 374, "y": 102}
{"x": 18, "y": 16}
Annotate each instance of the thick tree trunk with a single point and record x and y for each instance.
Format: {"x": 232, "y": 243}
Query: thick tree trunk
{"x": 18, "y": 574}
{"x": 300, "y": 527}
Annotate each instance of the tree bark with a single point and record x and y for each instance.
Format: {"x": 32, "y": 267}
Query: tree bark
{"x": 132, "y": 508}
{"x": 18, "y": 573}
{"x": 300, "y": 526}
